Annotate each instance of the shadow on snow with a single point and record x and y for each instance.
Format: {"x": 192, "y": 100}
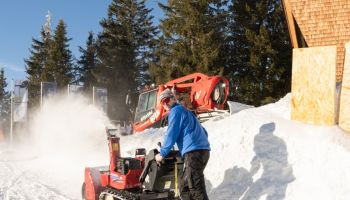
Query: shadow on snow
{"x": 271, "y": 155}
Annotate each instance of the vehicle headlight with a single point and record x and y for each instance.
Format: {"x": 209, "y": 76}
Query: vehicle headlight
{"x": 218, "y": 93}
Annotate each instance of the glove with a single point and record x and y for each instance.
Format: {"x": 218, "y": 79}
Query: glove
{"x": 158, "y": 159}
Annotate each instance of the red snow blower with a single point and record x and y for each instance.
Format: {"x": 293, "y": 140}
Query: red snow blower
{"x": 137, "y": 178}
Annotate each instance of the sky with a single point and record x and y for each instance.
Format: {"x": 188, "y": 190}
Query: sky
{"x": 256, "y": 153}
{"x": 21, "y": 20}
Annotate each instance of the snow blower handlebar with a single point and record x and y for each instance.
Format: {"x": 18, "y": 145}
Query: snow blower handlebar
{"x": 150, "y": 159}
{"x": 148, "y": 162}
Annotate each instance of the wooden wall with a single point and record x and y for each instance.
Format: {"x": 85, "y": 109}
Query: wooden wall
{"x": 324, "y": 23}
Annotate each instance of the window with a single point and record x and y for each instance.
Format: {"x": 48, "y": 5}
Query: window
{"x": 146, "y": 105}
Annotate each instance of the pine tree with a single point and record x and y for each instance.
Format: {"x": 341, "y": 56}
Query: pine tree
{"x": 145, "y": 41}
{"x": 88, "y": 63}
{"x": 35, "y": 64}
{"x": 124, "y": 50}
{"x": 4, "y": 102}
{"x": 159, "y": 70}
{"x": 194, "y": 39}
{"x": 260, "y": 52}
{"x": 59, "y": 63}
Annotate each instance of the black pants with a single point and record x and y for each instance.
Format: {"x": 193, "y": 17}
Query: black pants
{"x": 192, "y": 184}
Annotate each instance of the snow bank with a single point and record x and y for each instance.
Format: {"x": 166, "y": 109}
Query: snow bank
{"x": 257, "y": 153}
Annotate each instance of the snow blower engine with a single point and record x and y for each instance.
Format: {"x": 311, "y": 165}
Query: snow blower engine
{"x": 137, "y": 178}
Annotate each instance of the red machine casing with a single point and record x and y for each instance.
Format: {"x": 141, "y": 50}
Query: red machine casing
{"x": 96, "y": 179}
{"x": 199, "y": 87}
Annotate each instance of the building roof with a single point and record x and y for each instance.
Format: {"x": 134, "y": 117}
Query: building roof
{"x": 320, "y": 23}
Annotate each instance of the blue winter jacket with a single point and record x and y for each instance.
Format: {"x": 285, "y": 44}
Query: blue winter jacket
{"x": 184, "y": 129}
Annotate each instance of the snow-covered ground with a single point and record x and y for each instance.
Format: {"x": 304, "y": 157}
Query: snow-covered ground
{"x": 257, "y": 153}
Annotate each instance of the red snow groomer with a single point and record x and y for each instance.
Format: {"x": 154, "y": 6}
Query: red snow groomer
{"x": 138, "y": 178}
{"x": 204, "y": 95}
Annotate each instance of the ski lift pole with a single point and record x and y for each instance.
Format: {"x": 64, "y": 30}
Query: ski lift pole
{"x": 11, "y": 115}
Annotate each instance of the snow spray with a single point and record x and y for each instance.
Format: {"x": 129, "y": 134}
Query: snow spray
{"x": 69, "y": 135}
{"x": 69, "y": 125}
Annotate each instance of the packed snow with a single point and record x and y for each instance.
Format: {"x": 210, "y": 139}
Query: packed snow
{"x": 256, "y": 153}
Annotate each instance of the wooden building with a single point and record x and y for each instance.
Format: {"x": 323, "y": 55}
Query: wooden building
{"x": 314, "y": 23}
{"x": 320, "y": 35}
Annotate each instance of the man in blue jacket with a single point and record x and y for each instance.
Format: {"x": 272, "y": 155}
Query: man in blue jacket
{"x": 191, "y": 138}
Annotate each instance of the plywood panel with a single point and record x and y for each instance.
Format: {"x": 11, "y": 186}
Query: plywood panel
{"x": 344, "y": 109}
{"x": 323, "y": 23}
{"x": 313, "y": 85}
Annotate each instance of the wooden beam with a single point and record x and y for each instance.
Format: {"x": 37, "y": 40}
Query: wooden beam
{"x": 344, "y": 109}
{"x": 290, "y": 21}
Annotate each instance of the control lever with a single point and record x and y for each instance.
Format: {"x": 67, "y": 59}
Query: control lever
{"x": 160, "y": 146}
{"x": 148, "y": 161}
